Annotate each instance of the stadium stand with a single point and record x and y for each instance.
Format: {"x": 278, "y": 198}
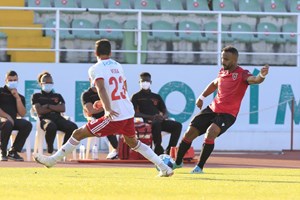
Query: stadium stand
{"x": 213, "y": 35}
{"x": 249, "y": 6}
{"x": 92, "y": 4}
{"x": 32, "y": 39}
{"x": 171, "y": 5}
{"x": 65, "y": 4}
{"x": 197, "y": 5}
{"x": 130, "y": 41}
{"x": 223, "y": 5}
{"x": 274, "y": 6}
{"x": 187, "y": 27}
{"x": 3, "y": 40}
{"x": 158, "y": 33}
{"x": 84, "y": 34}
{"x": 109, "y": 25}
{"x": 160, "y": 40}
{"x": 119, "y": 4}
{"x": 3, "y": 35}
{"x": 63, "y": 34}
{"x": 145, "y": 4}
{"x": 40, "y": 4}
{"x": 290, "y": 28}
{"x": 264, "y": 29}
{"x": 242, "y": 37}
{"x": 294, "y": 6}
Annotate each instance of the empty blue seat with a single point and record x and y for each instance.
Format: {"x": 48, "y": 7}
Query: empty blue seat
{"x": 40, "y": 4}
{"x": 290, "y": 28}
{"x": 187, "y": 27}
{"x": 242, "y": 37}
{"x": 145, "y": 4}
{"x": 274, "y": 6}
{"x": 213, "y": 34}
{"x": 197, "y": 5}
{"x": 165, "y": 31}
{"x": 119, "y": 4}
{"x": 92, "y": 4}
{"x": 63, "y": 34}
{"x": 264, "y": 29}
{"x": 171, "y": 5}
{"x": 249, "y": 6}
{"x": 109, "y": 25}
{"x": 84, "y": 34}
{"x": 294, "y": 6}
{"x": 223, "y": 5}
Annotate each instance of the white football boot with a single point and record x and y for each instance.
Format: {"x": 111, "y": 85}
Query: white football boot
{"x": 166, "y": 173}
{"x": 47, "y": 161}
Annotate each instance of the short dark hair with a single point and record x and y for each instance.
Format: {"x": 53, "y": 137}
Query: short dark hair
{"x": 44, "y": 73}
{"x": 145, "y": 74}
{"x": 231, "y": 49}
{"x": 11, "y": 73}
{"x": 103, "y": 47}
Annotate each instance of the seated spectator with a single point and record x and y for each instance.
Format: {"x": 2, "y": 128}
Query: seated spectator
{"x": 151, "y": 107}
{"x": 92, "y": 109}
{"x": 50, "y": 107}
{"x": 12, "y": 108}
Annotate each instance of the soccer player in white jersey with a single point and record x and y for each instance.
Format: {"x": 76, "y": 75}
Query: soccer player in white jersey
{"x": 108, "y": 77}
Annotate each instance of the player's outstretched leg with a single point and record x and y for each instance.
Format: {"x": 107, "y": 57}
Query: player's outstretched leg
{"x": 183, "y": 148}
{"x": 50, "y": 161}
{"x": 147, "y": 152}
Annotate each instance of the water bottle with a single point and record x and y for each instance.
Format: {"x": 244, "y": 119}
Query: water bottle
{"x": 81, "y": 152}
{"x": 95, "y": 152}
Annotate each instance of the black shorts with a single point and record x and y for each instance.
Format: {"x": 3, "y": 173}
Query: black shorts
{"x": 206, "y": 117}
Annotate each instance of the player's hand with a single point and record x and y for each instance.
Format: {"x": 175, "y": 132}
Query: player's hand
{"x": 98, "y": 105}
{"x": 199, "y": 103}
{"x": 264, "y": 70}
{"x": 111, "y": 114}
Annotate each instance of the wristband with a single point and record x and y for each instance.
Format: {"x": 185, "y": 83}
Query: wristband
{"x": 262, "y": 76}
{"x": 202, "y": 97}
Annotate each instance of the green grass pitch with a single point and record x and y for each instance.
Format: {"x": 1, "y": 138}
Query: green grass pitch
{"x": 142, "y": 183}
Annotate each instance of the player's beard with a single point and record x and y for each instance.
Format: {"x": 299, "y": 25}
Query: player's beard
{"x": 226, "y": 67}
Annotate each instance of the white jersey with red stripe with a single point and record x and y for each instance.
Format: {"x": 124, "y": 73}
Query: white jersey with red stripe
{"x": 113, "y": 74}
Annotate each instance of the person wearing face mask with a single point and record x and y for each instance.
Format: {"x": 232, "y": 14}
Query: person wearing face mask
{"x": 49, "y": 107}
{"x": 151, "y": 107}
{"x": 12, "y": 106}
{"x": 88, "y": 99}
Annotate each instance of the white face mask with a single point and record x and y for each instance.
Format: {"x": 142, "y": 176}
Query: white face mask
{"x": 145, "y": 85}
{"x": 47, "y": 87}
{"x": 12, "y": 84}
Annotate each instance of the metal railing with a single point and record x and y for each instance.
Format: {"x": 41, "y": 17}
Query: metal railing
{"x": 139, "y": 30}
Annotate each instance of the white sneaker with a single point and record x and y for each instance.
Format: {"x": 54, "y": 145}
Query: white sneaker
{"x": 47, "y": 161}
{"x": 166, "y": 173}
{"x": 112, "y": 155}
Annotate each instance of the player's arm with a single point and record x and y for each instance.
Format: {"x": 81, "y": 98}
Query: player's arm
{"x": 89, "y": 108}
{"x": 260, "y": 77}
{"x": 99, "y": 84}
{"x": 207, "y": 91}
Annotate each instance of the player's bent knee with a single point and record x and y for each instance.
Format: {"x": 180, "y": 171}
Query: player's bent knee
{"x": 131, "y": 141}
{"x": 81, "y": 133}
